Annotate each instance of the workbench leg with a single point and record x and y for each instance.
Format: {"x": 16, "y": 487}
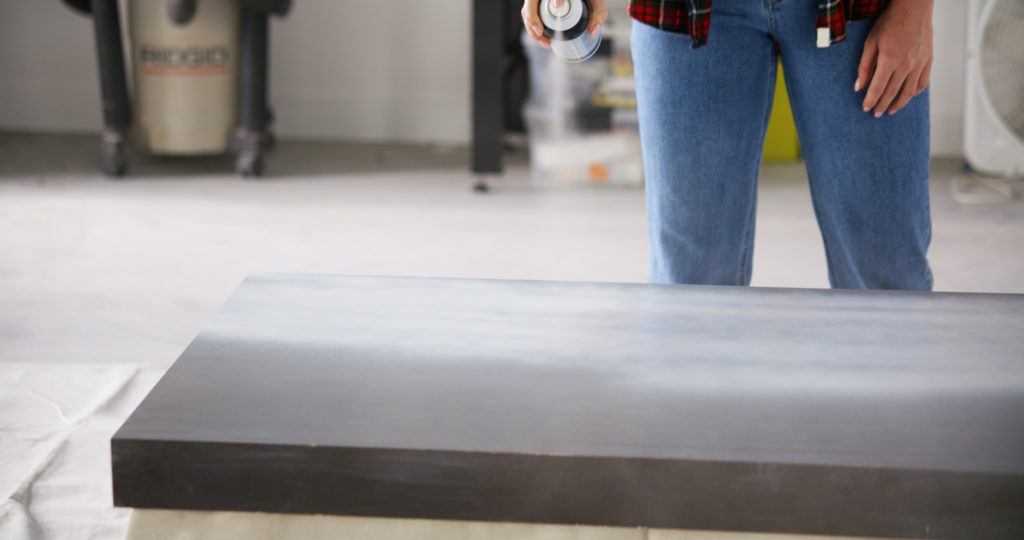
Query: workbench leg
{"x": 253, "y": 137}
{"x": 488, "y": 90}
{"x": 117, "y": 109}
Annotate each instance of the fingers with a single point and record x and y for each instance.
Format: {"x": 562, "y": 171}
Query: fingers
{"x": 534, "y": 26}
{"x": 908, "y": 91}
{"x": 867, "y": 64}
{"x": 531, "y": 20}
{"x": 877, "y": 86}
{"x": 914, "y": 85}
{"x": 892, "y": 89}
{"x": 598, "y": 15}
{"x": 896, "y": 62}
{"x": 926, "y": 76}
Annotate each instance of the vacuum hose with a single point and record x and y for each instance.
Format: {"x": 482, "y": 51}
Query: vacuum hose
{"x": 181, "y": 11}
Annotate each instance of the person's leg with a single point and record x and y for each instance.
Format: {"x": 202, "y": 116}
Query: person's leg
{"x": 703, "y": 115}
{"x": 869, "y": 177}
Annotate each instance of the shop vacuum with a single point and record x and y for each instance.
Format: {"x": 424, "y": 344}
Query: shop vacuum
{"x": 200, "y": 70}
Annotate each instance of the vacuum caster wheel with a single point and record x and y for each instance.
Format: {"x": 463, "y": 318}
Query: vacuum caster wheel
{"x": 268, "y": 140}
{"x": 481, "y": 186}
{"x": 112, "y": 160}
{"x": 249, "y": 164}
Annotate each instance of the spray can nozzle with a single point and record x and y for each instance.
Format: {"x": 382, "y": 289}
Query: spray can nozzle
{"x": 559, "y": 12}
{"x": 566, "y": 25}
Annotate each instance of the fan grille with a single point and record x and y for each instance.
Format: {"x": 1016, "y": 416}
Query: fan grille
{"x": 1002, "y": 62}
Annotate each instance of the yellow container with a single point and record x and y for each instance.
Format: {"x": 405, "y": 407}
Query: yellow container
{"x": 781, "y": 142}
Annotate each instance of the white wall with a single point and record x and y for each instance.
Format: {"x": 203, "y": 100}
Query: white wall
{"x": 947, "y": 87}
{"x": 48, "y": 76}
{"x": 335, "y": 76}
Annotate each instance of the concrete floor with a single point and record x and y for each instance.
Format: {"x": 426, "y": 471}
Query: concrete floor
{"x": 94, "y": 270}
{"x": 109, "y": 275}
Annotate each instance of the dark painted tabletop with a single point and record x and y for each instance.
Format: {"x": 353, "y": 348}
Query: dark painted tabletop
{"x": 640, "y": 405}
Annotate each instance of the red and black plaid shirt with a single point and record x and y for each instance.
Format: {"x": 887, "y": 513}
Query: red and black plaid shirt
{"x": 693, "y": 17}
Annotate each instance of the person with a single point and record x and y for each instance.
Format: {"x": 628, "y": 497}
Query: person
{"x": 857, "y": 73}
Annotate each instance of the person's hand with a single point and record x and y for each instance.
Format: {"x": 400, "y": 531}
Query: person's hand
{"x": 899, "y": 53}
{"x": 534, "y": 27}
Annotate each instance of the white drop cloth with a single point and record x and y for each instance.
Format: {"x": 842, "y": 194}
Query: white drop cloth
{"x": 56, "y": 421}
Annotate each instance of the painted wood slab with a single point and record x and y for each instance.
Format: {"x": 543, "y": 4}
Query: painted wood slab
{"x": 859, "y": 413}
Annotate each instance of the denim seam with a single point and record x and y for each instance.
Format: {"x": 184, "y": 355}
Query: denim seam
{"x": 742, "y": 276}
{"x": 819, "y": 217}
{"x": 815, "y": 203}
{"x": 770, "y": 18}
{"x": 929, "y": 276}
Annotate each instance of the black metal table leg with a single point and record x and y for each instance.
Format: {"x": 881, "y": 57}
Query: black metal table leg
{"x": 117, "y": 109}
{"x": 253, "y": 136}
{"x": 488, "y": 90}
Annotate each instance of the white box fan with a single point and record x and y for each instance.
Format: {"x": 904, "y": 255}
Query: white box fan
{"x": 994, "y": 112}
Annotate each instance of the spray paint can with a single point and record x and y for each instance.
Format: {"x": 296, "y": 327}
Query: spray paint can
{"x": 566, "y": 25}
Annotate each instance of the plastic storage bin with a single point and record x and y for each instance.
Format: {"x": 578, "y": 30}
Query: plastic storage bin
{"x": 582, "y": 117}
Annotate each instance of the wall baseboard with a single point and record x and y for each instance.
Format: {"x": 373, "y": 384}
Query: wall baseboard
{"x": 372, "y": 120}
{"x": 47, "y": 108}
{"x": 40, "y": 108}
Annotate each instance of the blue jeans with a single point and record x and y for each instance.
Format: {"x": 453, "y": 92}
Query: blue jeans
{"x": 703, "y": 116}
